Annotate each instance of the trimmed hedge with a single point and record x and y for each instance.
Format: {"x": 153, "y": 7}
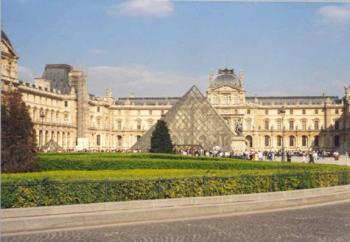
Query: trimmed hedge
{"x": 47, "y": 193}
{"x": 74, "y": 178}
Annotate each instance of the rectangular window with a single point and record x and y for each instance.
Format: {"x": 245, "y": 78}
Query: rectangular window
{"x": 66, "y": 103}
{"x": 316, "y": 111}
{"x": 291, "y": 125}
{"x": 248, "y": 111}
{"x": 267, "y": 124}
{"x": 291, "y": 111}
{"x": 303, "y": 124}
{"x": 266, "y": 111}
{"x": 317, "y": 125}
{"x": 279, "y": 124}
{"x": 304, "y": 111}
{"x": 98, "y": 109}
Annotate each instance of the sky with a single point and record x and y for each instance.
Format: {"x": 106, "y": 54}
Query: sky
{"x": 162, "y": 48}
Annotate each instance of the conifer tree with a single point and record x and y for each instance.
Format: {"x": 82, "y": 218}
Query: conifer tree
{"x": 18, "y": 141}
{"x": 160, "y": 140}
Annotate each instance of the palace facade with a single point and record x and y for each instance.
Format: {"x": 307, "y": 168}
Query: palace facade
{"x": 63, "y": 111}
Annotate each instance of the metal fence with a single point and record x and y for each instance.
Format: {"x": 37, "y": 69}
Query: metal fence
{"x": 47, "y": 192}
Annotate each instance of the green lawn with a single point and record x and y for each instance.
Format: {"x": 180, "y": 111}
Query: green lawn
{"x": 132, "y": 166}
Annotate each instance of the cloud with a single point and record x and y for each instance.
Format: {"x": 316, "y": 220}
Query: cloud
{"x": 335, "y": 14}
{"x": 139, "y": 80}
{"x": 25, "y": 73}
{"x": 143, "y": 8}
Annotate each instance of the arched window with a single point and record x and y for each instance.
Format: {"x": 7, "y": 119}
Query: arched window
{"x": 279, "y": 140}
{"x": 138, "y": 137}
{"x": 267, "y": 141}
{"x": 249, "y": 140}
{"x": 98, "y": 140}
{"x": 120, "y": 140}
{"x": 304, "y": 141}
{"x": 316, "y": 141}
{"x": 336, "y": 125}
{"x": 138, "y": 124}
{"x": 336, "y": 141}
{"x": 291, "y": 141}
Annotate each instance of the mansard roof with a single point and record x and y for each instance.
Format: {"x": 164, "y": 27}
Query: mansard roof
{"x": 8, "y": 43}
{"x": 291, "y": 100}
{"x": 147, "y": 100}
{"x": 264, "y": 100}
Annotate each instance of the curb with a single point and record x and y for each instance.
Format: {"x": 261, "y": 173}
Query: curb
{"x": 21, "y": 220}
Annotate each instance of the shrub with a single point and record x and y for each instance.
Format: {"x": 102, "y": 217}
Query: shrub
{"x": 160, "y": 140}
{"x": 18, "y": 144}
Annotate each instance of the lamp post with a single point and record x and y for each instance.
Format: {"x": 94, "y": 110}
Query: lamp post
{"x": 282, "y": 111}
{"x": 42, "y": 116}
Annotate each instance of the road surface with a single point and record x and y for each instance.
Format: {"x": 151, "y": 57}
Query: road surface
{"x": 320, "y": 223}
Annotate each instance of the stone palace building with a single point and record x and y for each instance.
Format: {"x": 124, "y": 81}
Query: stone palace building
{"x": 63, "y": 111}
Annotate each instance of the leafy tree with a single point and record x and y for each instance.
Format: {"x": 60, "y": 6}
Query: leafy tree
{"x": 160, "y": 140}
{"x": 18, "y": 141}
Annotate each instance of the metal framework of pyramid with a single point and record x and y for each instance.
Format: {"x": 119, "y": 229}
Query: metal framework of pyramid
{"x": 52, "y": 146}
{"x": 192, "y": 122}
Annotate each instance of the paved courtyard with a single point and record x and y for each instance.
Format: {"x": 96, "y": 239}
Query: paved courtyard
{"x": 323, "y": 223}
{"x": 343, "y": 160}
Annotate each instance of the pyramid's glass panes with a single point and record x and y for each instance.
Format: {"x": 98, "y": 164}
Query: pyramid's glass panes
{"x": 193, "y": 122}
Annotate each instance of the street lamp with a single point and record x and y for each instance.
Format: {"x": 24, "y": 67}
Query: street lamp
{"x": 42, "y": 116}
{"x": 282, "y": 111}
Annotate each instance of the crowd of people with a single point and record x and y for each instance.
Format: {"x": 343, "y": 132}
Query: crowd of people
{"x": 306, "y": 156}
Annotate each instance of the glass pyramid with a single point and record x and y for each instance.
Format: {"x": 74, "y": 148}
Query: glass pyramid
{"x": 192, "y": 122}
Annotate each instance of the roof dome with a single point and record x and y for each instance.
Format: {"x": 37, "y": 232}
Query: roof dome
{"x": 226, "y": 77}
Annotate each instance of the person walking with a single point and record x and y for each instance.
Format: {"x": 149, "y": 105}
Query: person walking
{"x": 289, "y": 157}
{"x": 311, "y": 158}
